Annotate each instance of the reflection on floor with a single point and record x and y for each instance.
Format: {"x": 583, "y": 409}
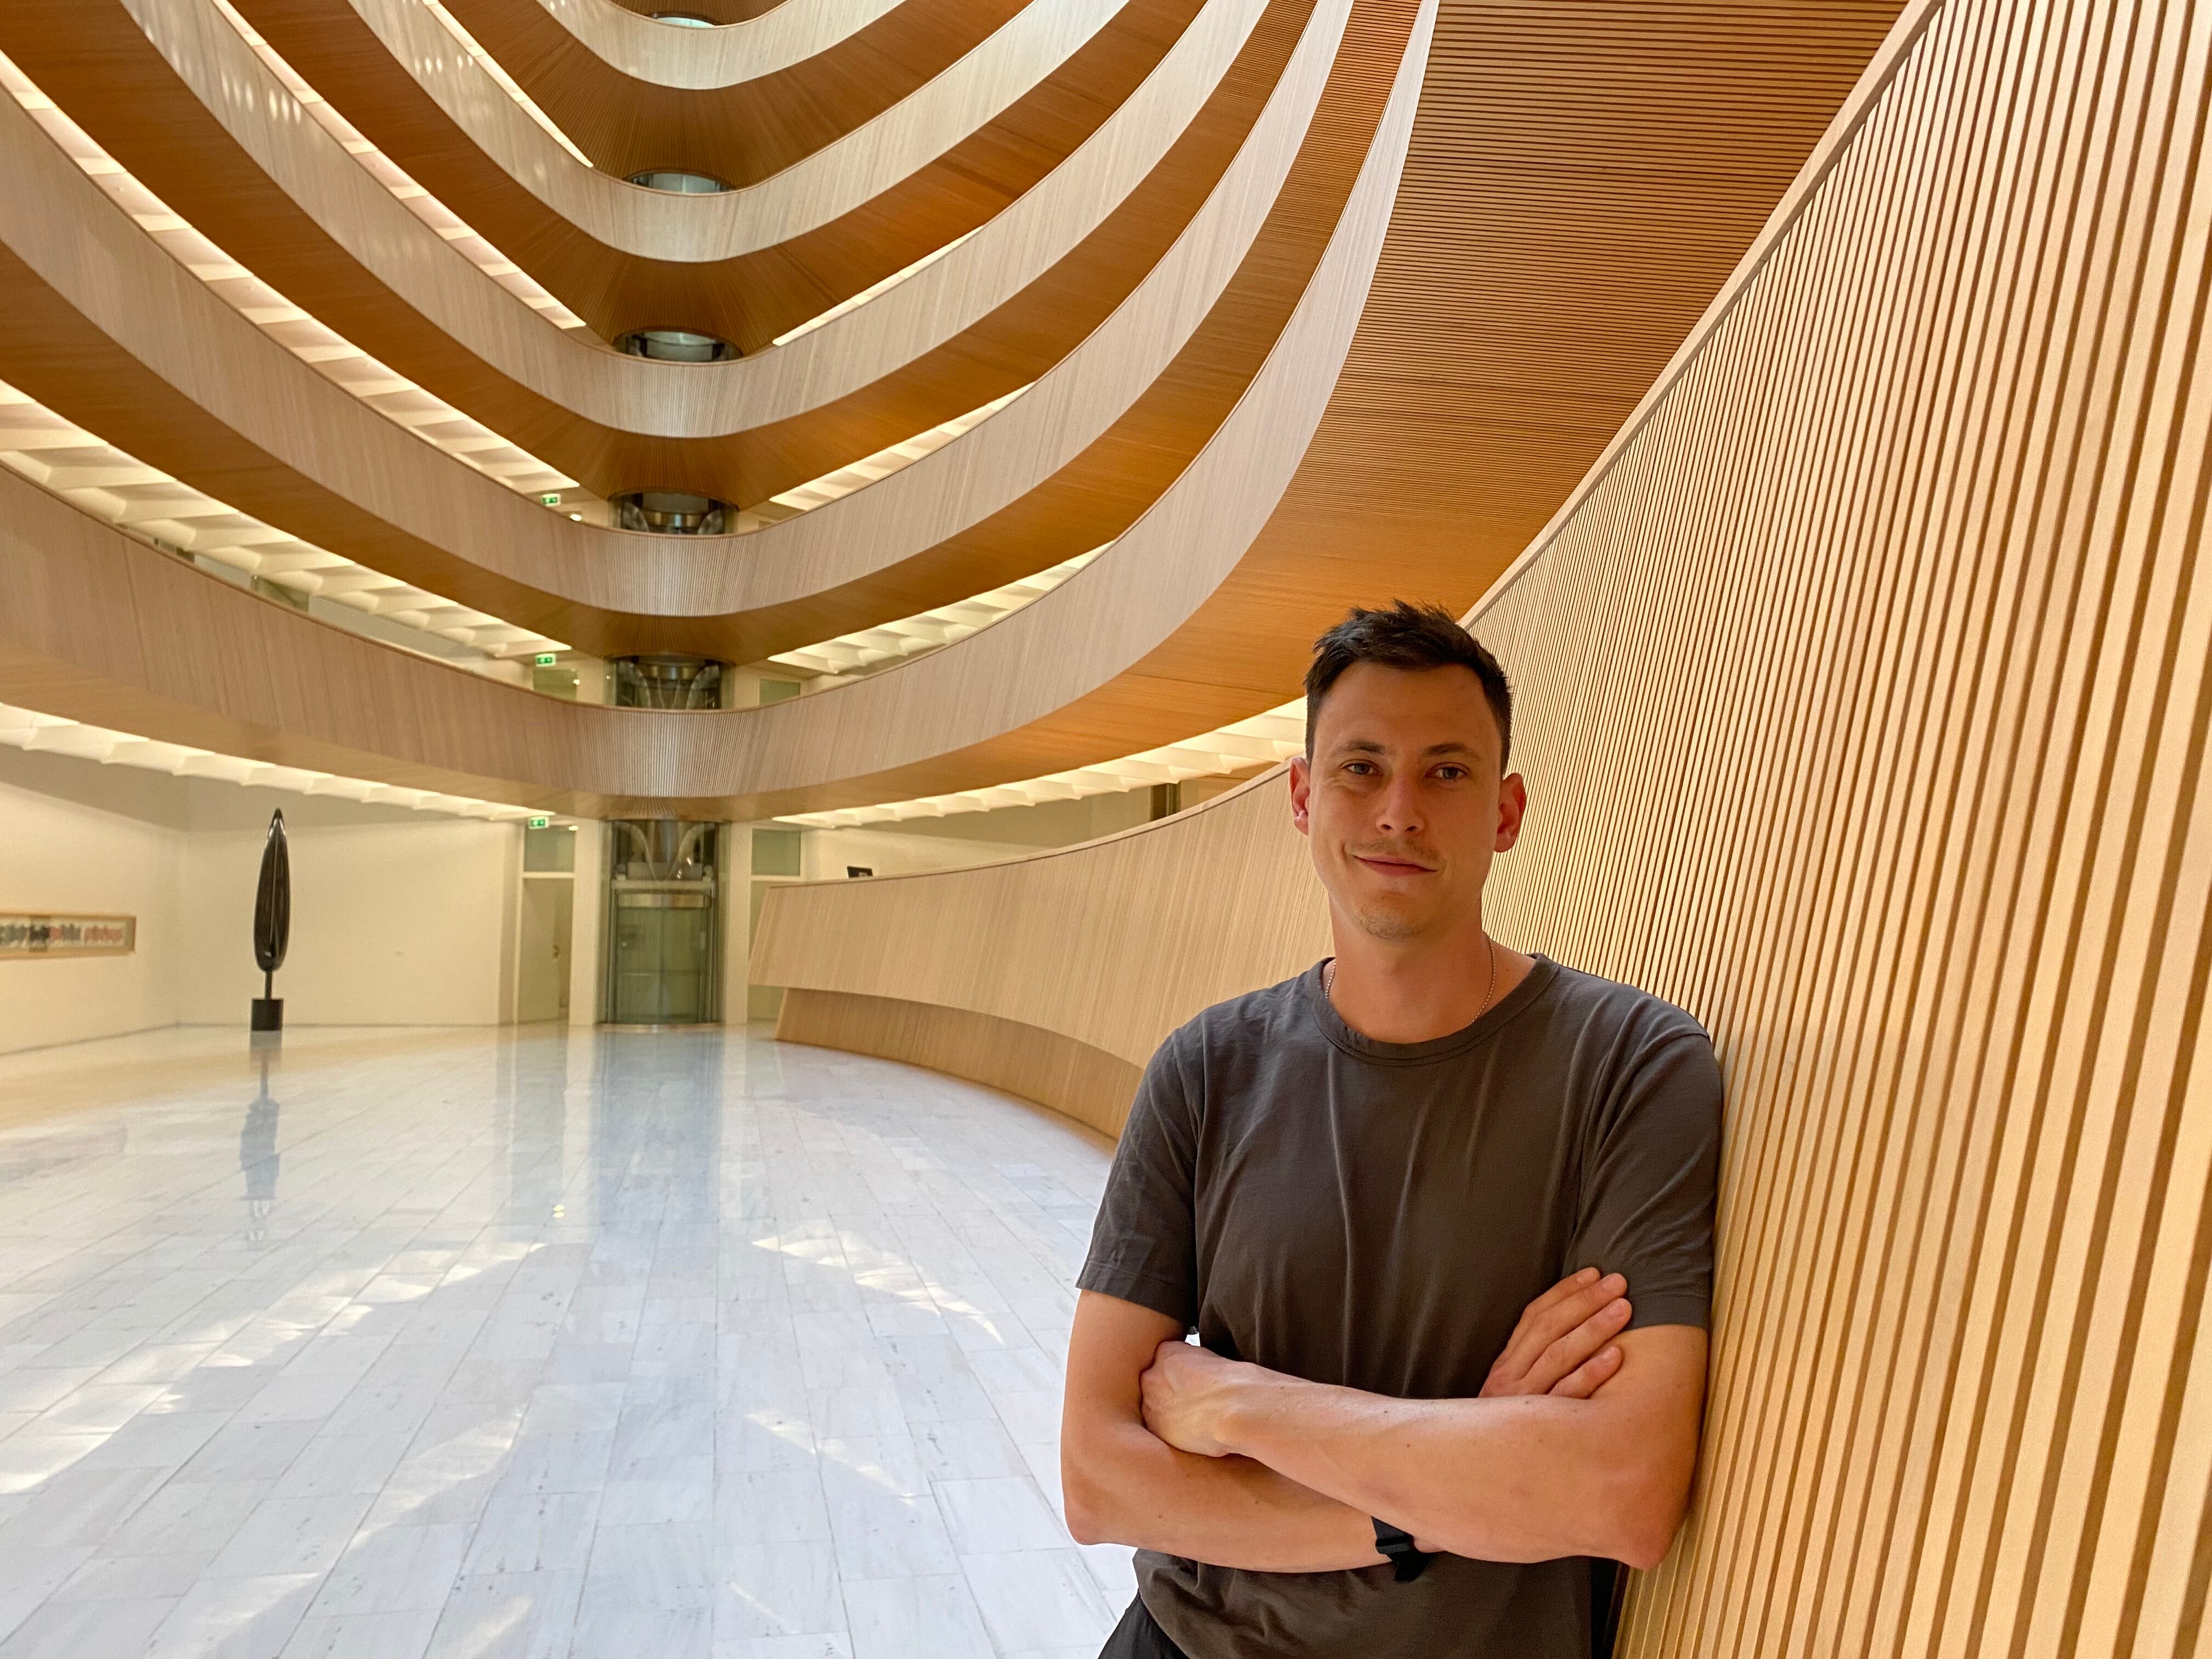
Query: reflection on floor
{"x": 686, "y": 1345}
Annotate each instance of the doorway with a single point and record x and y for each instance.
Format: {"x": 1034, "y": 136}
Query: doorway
{"x": 549, "y": 909}
{"x": 547, "y": 914}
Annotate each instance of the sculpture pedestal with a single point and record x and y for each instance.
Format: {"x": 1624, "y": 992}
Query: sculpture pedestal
{"x": 268, "y": 1014}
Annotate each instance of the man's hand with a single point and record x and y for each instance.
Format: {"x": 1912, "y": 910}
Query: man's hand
{"x": 1563, "y": 1347}
{"x": 1592, "y": 1457}
{"x": 1563, "y": 1344}
{"x": 1125, "y": 1485}
{"x": 1181, "y": 1392}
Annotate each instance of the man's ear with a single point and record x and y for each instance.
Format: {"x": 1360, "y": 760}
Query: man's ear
{"x": 1301, "y": 790}
{"x": 1512, "y": 808}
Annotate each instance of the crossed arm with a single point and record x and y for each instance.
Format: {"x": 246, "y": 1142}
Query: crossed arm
{"x": 1581, "y": 1442}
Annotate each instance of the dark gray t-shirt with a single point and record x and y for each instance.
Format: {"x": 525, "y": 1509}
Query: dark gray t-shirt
{"x": 1377, "y": 1215}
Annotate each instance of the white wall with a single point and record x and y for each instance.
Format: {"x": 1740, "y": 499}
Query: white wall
{"x": 736, "y": 924}
{"x": 64, "y": 855}
{"x": 824, "y": 853}
{"x": 585, "y": 924}
{"x": 912, "y": 846}
{"x": 392, "y": 924}
{"x": 397, "y": 918}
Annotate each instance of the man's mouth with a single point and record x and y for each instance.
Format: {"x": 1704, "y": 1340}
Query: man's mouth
{"x": 1388, "y": 866}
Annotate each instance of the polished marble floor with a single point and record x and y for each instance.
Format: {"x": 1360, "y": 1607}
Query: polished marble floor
{"x": 383, "y": 1344}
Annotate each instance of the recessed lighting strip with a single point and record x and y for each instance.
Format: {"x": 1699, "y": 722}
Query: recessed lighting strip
{"x": 504, "y": 81}
{"x": 51, "y": 734}
{"x": 399, "y": 398}
{"x": 448, "y": 225}
{"x": 453, "y": 228}
{"x": 433, "y": 420}
{"x": 853, "y": 656}
{"x": 833, "y": 486}
{"x": 118, "y": 489}
{"x": 1248, "y": 746}
{"x": 872, "y": 291}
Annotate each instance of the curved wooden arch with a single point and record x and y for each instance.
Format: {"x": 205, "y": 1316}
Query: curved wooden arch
{"x": 741, "y": 50}
{"x": 746, "y": 265}
{"x": 205, "y": 127}
{"x": 670, "y": 101}
{"x": 722, "y": 12}
{"x": 1058, "y": 466}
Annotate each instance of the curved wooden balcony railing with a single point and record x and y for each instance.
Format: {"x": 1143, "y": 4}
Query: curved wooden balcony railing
{"x": 742, "y": 50}
{"x": 717, "y": 102}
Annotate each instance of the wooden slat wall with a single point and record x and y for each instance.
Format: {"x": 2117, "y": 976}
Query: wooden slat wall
{"x": 1112, "y": 944}
{"x": 1864, "y": 698}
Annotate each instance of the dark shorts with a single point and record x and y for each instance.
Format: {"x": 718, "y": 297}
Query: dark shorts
{"x": 1139, "y": 1637}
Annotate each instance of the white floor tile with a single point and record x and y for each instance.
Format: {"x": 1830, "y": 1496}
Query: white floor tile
{"x": 233, "y": 1618}
{"x": 926, "y": 1618}
{"x": 988, "y": 1517}
{"x": 391, "y": 1634}
{"x": 827, "y": 1644}
{"x": 1039, "y": 1599}
{"x": 512, "y": 1615}
{"x": 397, "y": 1569}
{"x": 552, "y": 1346}
{"x": 291, "y": 1535}
{"x": 87, "y": 1630}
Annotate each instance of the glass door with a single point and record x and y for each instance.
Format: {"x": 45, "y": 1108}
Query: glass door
{"x": 663, "y": 913}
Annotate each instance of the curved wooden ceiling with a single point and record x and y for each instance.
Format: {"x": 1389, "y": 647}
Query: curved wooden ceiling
{"x": 282, "y": 198}
{"x": 1308, "y": 303}
{"x": 747, "y": 264}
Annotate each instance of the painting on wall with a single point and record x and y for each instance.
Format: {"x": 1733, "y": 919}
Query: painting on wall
{"x": 22, "y": 934}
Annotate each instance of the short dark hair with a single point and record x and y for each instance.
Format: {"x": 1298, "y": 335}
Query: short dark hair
{"x": 1412, "y": 636}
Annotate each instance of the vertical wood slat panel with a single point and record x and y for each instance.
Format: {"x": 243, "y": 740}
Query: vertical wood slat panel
{"x": 1915, "y": 538}
{"x": 1863, "y": 694}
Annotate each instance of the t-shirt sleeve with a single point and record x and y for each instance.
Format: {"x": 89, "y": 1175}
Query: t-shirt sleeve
{"x": 1144, "y": 1243}
{"x": 1649, "y": 1177}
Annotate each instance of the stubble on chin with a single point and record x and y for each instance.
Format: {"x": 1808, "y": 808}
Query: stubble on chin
{"x": 1390, "y": 924}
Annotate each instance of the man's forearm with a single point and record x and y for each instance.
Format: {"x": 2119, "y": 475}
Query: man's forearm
{"x": 1526, "y": 1479}
{"x": 1229, "y": 1511}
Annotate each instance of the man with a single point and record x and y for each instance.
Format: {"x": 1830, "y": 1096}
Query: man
{"x": 1357, "y": 1186}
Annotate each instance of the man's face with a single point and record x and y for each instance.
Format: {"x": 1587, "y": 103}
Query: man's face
{"x": 1402, "y": 801}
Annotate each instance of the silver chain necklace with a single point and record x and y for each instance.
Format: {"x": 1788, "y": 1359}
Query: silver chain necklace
{"x": 1489, "y": 986}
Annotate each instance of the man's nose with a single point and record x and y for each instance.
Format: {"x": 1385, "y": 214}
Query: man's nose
{"x": 1399, "y": 809}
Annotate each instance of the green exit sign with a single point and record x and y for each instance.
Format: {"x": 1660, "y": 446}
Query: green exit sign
{"x": 547, "y": 658}
{"x": 541, "y": 824}
{"x": 549, "y": 501}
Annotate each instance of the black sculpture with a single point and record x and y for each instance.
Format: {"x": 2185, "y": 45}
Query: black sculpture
{"x": 272, "y": 925}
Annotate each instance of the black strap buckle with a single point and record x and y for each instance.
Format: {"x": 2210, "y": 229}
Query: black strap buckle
{"x": 1405, "y": 1561}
